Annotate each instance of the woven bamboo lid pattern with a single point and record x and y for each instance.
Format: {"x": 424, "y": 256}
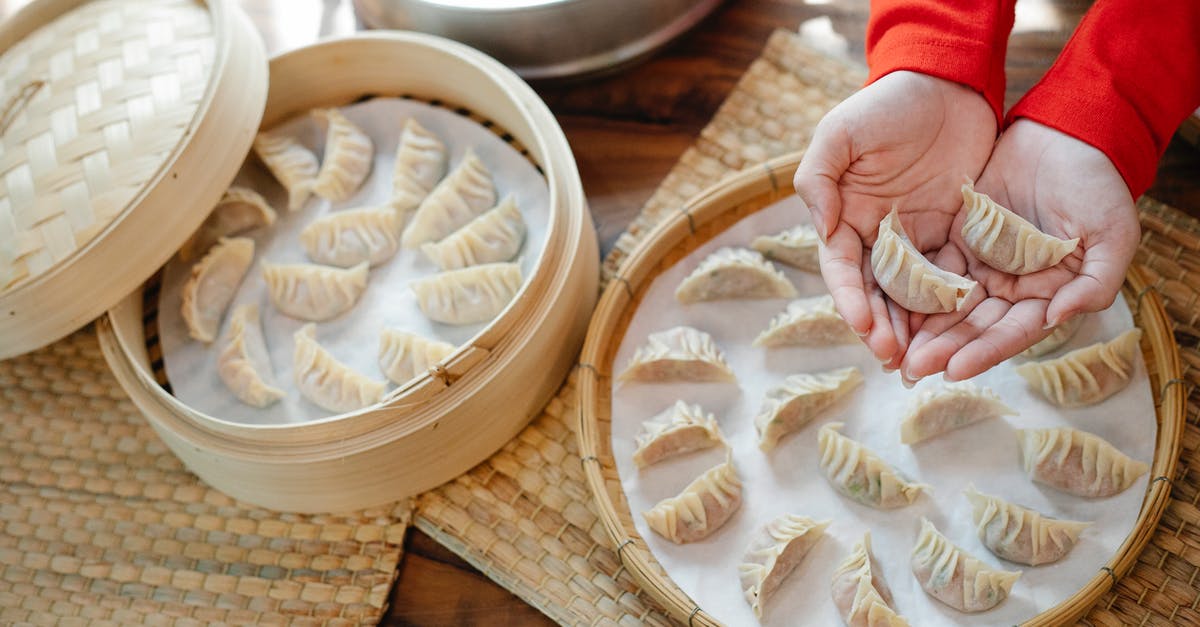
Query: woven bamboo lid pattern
{"x": 98, "y": 101}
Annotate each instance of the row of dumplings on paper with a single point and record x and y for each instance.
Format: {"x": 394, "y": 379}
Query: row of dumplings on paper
{"x": 453, "y": 222}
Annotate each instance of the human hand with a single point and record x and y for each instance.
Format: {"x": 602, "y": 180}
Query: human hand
{"x": 1066, "y": 188}
{"x": 906, "y": 140}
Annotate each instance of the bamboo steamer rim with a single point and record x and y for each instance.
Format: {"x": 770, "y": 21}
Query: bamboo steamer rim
{"x": 699, "y": 220}
{"x": 98, "y": 264}
{"x": 420, "y": 403}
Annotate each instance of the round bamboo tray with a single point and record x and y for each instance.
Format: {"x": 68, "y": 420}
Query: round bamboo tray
{"x": 710, "y": 213}
{"x": 450, "y": 419}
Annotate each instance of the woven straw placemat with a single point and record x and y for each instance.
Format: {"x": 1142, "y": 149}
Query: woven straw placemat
{"x": 101, "y": 524}
{"x": 525, "y": 516}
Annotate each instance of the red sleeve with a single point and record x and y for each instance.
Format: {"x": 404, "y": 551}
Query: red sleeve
{"x": 1127, "y": 78}
{"x": 963, "y": 41}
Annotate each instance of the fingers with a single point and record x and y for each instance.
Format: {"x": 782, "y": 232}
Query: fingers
{"x": 943, "y": 335}
{"x": 816, "y": 179}
{"x": 1019, "y": 329}
{"x": 901, "y": 325}
{"x": 1099, "y": 279}
{"x": 882, "y": 338}
{"x": 842, "y": 268}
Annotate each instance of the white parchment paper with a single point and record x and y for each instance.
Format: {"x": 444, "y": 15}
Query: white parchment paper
{"x": 353, "y": 337}
{"x": 788, "y": 480}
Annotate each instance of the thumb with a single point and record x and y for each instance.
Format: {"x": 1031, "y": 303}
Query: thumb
{"x": 1099, "y": 280}
{"x": 816, "y": 180}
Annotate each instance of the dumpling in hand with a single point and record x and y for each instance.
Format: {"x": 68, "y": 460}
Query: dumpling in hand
{"x": 468, "y": 296}
{"x": 860, "y": 474}
{"x": 328, "y": 382}
{"x": 1077, "y": 462}
{"x": 293, "y": 165}
{"x": 244, "y": 365}
{"x": 860, "y": 593}
{"x": 212, "y": 285}
{"x": 734, "y": 273}
{"x": 1059, "y": 336}
{"x": 794, "y": 404}
{"x": 910, "y": 279}
{"x": 1019, "y": 534}
{"x": 678, "y": 354}
{"x": 774, "y": 553}
{"x": 950, "y": 407}
{"x": 348, "y": 238}
{"x": 681, "y": 429}
{"x": 1005, "y": 240}
{"x": 420, "y": 164}
{"x": 796, "y": 247}
{"x": 349, "y": 154}
{"x": 311, "y": 292}
{"x": 1087, "y": 375}
{"x": 954, "y": 577}
{"x": 240, "y": 209}
{"x": 458, "y": 199}
{"x": 807, "y": 322}
{"x": 703, "y": 507}
{"x": 405, "y": 356}
{"x": 492, "y": 237}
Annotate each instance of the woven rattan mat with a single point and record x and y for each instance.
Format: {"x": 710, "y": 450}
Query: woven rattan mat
{"x": 525, "y": 516}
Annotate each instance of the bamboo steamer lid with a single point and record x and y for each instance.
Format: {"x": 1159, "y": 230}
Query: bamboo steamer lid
{"x": 121, "y": 123}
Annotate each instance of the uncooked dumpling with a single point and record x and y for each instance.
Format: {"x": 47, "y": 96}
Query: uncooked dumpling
{"x": 492, "y": 237}
{"x": 1077, "y": 462}
{"x": 951, "y": 406}
{"x": 774, "y": 553}
{"x": 796, "y": 247}
{"x": 212, "y": 285}
{"x": 1019, "y": 534}
{"x": 328, "y": 382}
{"x": 1005, "y": 240}
{"x": 678, "y": 354}
{"x": 956, "y": 578}
{"x": 861, "y": 475}
{"x": 348, "y": 238}
{"x": 807, "y": 322}
{"x": 293, "y": 165}
{"x": 349, "y": 154}
{"x": 703, "y": 507}
{"x": 859, "y": 592}
{"x": 910, "y": 279}
{"x": 734, "y": 273}
{"x": 240, "y": 209}
{"x": 244, "y": 365}
{"x": 799, "y": 399}
{"x": 1087, "y": 375}
{"x": 404, "y": 356}
{"x": 1059, "y": 336}
{"x": 468, "y": 296}
{"x": 459, "y": 198}
{"x": 420, "y": 164}
{"x": 312, "y": 292}
{"x": 680, "y": 429}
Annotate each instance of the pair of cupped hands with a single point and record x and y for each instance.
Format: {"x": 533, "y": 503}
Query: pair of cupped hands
{"x": 908, "y": 140}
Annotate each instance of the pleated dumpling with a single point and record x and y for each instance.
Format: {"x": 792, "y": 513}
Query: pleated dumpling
{"x": 954, "y": 577}
{"x": 951, "y": 406}
{"x": 799, "y": 399}
{"x": 240, "y": 209}
{"x": 312, "y": 292}
{"x": 703, "y": 507}
{"x": 1077, "y": 462}
{"x": 1019, "y": 534}
{"x": 861, "y": 475}
{"x": 349, "y": 154}
{"x": 1005, "y": 240}
{"x": 680, "y": 429}
{"x": 468, "y": 296}
{"x": 459, "y": 198}
{"x": 244, "y": 365}
{"x": 293, "y": 165}
{"x": 1087, "y": 375}
{"x": 494, "y": 236}
{"x": 348, "y": 238}
{"x": 774, "y": 553}
{"x": 327, "y": 382}
{"x": 420, "y": 164}
{"x": 1059, "y": 336}
{"x": 212, "y": 285}
{"x": 733, "y": 273}
{"x": 910, "y": 279}
{"x": 404, "y": 356}
{"x": 859, "y": 592}
{"x": 807, "y": 322}
{"x": 796, "y": 247}
{"x": 678, "y": 354}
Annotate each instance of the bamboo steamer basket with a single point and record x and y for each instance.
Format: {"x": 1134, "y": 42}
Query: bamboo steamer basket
{"x": 710, "y": 213}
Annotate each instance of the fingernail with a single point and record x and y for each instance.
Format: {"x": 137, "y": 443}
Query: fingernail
{"x": 886, "y": 369}
{"x": 908, "y": 385}
{"x": 861, "y": 334}
{"x": 1057, "y": 321}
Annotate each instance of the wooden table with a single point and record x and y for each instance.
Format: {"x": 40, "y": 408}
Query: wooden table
{"x": 627, "y": 130}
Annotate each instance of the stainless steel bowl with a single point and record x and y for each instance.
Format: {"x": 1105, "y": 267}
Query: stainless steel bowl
{"x": 546, "y": 38}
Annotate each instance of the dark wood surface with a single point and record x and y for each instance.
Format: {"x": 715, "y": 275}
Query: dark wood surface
{"x": 627, "y": 130}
